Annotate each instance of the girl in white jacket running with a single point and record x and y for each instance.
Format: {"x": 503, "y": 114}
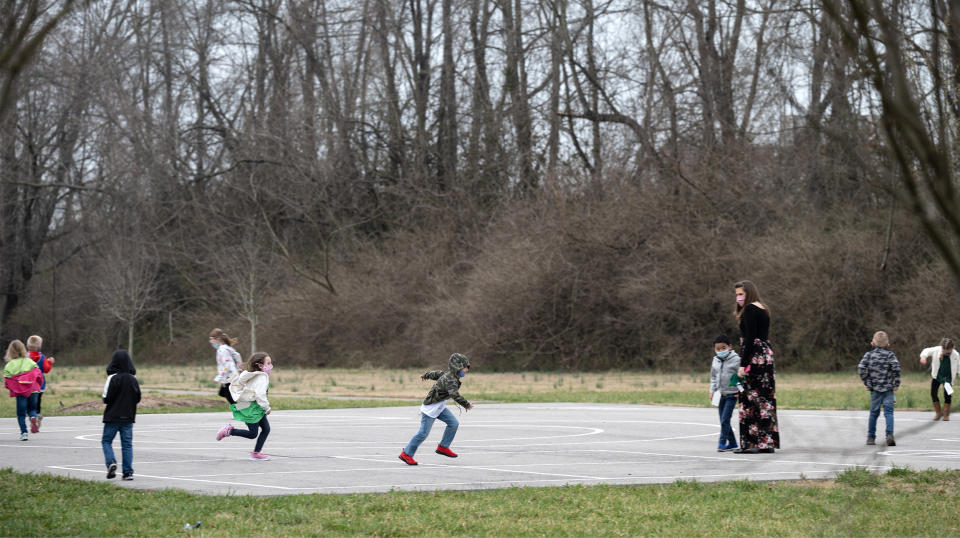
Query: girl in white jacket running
{"x": 249, "y": 390}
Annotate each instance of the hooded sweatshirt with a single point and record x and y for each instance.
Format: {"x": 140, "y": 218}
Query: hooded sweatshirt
{"x": 121, "y": 392}
{"x": 247, "y": 387}
{"x": 448, "y": 382}
{"x": 721, "y": 370}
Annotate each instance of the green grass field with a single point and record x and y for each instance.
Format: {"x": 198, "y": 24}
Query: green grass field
{"x": 901, "y": 502}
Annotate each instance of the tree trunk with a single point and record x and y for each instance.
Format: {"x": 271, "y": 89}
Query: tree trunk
{"x": 515, "y": 79}
{"x": 447, "y": 115}
{"x": 130, "y": 326}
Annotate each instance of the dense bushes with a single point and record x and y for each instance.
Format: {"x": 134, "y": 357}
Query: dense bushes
{"x": 629, "y": 282}
{"x": 638, "y": 280}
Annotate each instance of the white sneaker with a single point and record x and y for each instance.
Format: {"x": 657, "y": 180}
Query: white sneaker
{"x": 23, "y": 436}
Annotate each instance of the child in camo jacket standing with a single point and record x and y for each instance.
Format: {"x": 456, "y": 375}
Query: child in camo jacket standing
{"x": 880, "y": 371}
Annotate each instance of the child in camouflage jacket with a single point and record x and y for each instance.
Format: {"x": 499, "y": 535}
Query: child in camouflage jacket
{"x": 434, "y": 407}
{"x": 879, "y": 370}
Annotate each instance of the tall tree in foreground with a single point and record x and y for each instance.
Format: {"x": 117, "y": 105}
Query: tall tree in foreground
{"x": 910, "y": 54}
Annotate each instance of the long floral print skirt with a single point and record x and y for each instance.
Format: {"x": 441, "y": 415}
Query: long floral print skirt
{"x": 758, "y": 401}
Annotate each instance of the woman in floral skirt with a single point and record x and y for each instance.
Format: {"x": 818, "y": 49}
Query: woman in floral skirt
{"x": 759, "y": 431}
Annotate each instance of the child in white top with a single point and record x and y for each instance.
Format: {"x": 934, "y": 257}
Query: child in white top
{"x": 249, "y": 390}
{"x": 944, "y": 364}
{"x": 228, "y": 361}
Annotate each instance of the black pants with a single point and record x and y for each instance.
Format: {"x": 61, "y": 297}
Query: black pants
{"x": 39, "y": 401}
{"x": 934, "y": 389}
{"x": 251, "y": 433}
{"x": 225, "y": 392}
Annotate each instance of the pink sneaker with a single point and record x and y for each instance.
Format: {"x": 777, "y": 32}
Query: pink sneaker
{"x": 259, "y": 456}
{"x": 224, "y": 432}
{"x": 34, "y": 427}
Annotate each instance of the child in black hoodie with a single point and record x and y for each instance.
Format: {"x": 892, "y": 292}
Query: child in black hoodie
{"x": 121, "y": 393}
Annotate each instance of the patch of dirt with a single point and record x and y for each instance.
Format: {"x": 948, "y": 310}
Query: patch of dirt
{"x": 146, "y": 402}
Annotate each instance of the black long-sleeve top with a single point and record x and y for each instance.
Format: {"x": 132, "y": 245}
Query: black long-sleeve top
{"x": 754, "y": 323}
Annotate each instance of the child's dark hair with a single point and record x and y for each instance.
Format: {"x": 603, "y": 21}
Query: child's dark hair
{"x": 722, "y": 339}
{"x": 255, "y": 364}
{"x": 946, "y": 343}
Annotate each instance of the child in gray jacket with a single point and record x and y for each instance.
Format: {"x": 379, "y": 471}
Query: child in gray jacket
{"x": 725, "y": 365}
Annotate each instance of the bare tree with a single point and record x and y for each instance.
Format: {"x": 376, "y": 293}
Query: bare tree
{"x": 27, "y": 23}
{"x": 127, "y": 287}
{"x": 914, "y": 67}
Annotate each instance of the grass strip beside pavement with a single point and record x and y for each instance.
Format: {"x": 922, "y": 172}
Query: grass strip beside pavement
{"x": 901, "y": 502}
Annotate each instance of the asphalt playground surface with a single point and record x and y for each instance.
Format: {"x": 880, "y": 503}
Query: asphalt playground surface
{"x": 500, "y": 445}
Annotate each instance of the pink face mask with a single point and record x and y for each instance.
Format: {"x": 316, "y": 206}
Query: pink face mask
{"x": 266, "y": 368}
{"x": 740, "y": 299}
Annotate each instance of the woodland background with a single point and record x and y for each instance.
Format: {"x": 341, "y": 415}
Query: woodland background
{"x": 540, "y": 184}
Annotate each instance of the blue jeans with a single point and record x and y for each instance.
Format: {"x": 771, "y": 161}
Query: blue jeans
{"x": 26, "y": 405}
{"x": 110, "y": 430}
{"x": 878, "y": 400}
{"x": 426, "y": 423}
{"x": 727, "y": 404}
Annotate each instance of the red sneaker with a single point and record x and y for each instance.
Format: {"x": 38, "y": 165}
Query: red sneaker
{"x": 407, "y": 459}
{"x": 34, "y": 427}
{"x": 444, "y": 451}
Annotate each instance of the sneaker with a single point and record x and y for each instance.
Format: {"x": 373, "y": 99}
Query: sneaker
{"x": 34, "y": 427}
{"x": 259, "y": 456}
{"x": 407, "y": 459}
{"x": 731, "y": 446}
{"x": 126, "y": 476}
{"x": 891, "y": 441}
{"x": 444, "y": 451}
{"x": 721, "y": 447}
{"x": 224, "y": 432}
{"x": 871, "y": 440}
{"x": 23, "y": 436}
{"x": 39, "y": 420}
{"x": 112, "y": 470}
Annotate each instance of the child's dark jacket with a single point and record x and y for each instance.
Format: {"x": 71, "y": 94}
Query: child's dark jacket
{"x": 121, "y": 392}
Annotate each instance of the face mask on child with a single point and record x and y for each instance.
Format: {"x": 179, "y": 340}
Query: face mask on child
{"x": 740, "y": 300}
{"x": 266, "y": 368}
{"x": 723, "y": 354}
{"x": 216, "y": 345}
{"x": 461, "y": 374}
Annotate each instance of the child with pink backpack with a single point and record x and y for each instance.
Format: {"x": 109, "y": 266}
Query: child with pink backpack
{"x": 23, "y": 379}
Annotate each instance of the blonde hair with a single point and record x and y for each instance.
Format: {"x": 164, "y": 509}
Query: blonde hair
{"x": 223, "y": 338}
{"x": 34, "y": 343}
{"x": 14, "y": 351}
{"x": 880, "y": 339}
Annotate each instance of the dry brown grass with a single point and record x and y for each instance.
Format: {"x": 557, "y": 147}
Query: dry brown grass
{"x": 405, "y": 383}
